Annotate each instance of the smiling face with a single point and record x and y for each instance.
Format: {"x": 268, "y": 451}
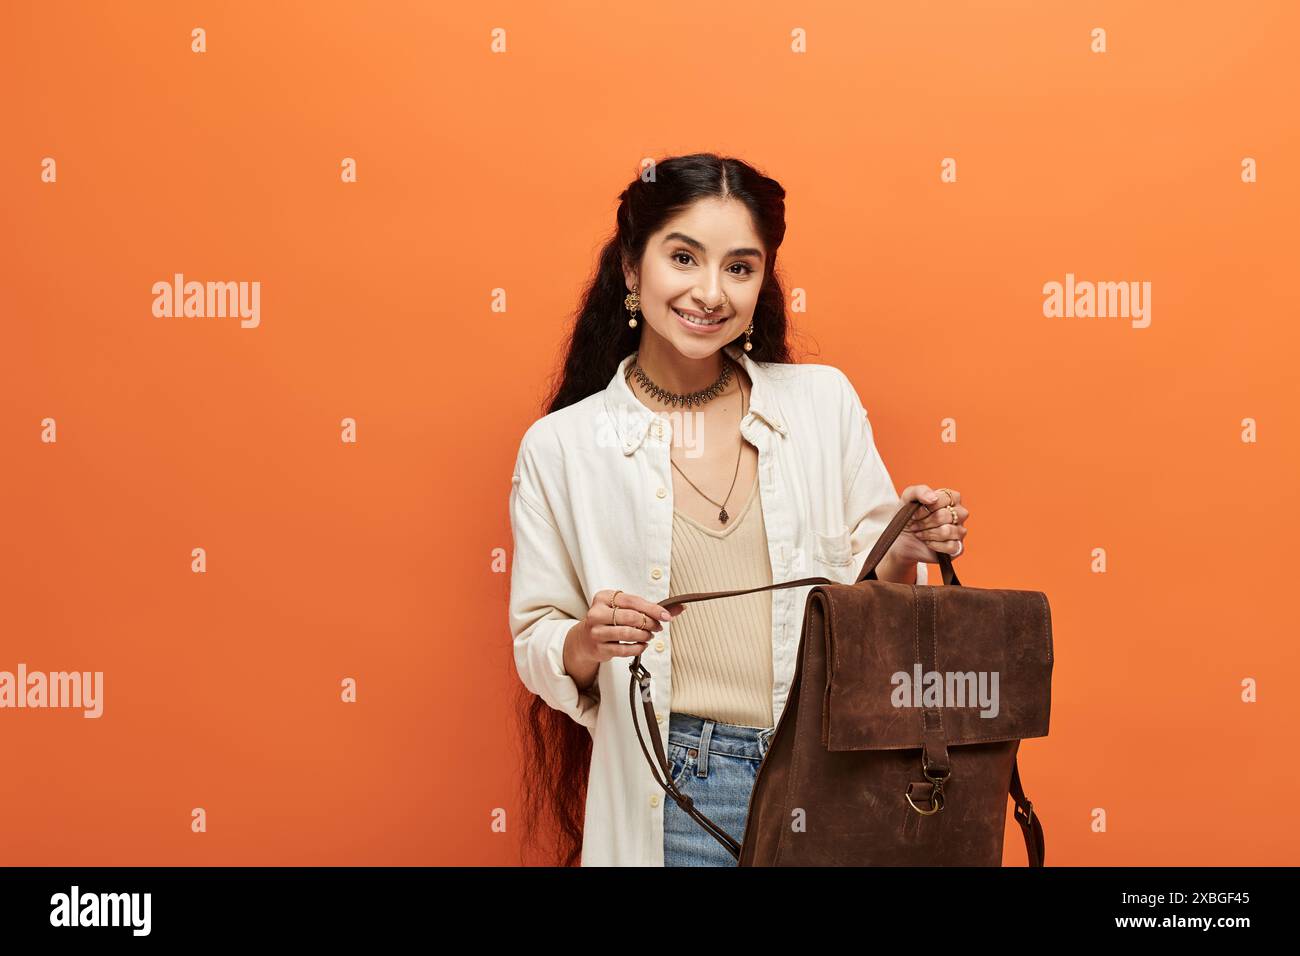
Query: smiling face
{"x": 709, "y": 257}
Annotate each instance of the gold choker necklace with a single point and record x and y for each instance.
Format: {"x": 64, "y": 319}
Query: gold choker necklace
{"x": 673, "y": 398}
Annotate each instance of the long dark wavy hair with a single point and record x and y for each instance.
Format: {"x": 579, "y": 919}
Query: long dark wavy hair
{"x": 557, "y": 749}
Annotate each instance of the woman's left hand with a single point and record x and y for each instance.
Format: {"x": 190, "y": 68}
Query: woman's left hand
{"x": 938, "y": 525}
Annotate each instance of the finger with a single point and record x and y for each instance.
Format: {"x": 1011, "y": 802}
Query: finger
{"x": 656, "y": 612}
{"x": 948, "y": 532}
{"x": 922, "y": 493}
{"x": 620, "y": 634}
{"x": 947, "y": 547}
{"x": 601, "y": 609}
{"x": 937, "y": 518}
{"x": 940, "y": 516}
{"x": 933, "y": 496}
{"x": 627, "y": 617}
{"x": 619, "y": 641}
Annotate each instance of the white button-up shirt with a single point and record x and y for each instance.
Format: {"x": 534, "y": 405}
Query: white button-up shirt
{"x": 591, "y": 508}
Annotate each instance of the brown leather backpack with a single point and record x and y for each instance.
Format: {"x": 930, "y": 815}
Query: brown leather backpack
{"x": 853, "y": 779}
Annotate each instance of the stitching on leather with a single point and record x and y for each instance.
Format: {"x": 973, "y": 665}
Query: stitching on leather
{"x": 994, "y": 738}
{"x": 974, "y": 740}
{"x": 934, "y": 641}
{"x": 830, "y": 686}
{"x": 1047, "y": 625}
{"x": 916, "y": 650}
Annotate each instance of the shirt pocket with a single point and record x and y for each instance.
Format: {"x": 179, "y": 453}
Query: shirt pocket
{"x": 833, "y": 551}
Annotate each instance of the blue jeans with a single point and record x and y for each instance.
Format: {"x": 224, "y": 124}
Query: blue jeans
{"x": 715, "y": 765}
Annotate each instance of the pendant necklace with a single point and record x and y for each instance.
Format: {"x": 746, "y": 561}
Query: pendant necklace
{"x": 722, "y": 512}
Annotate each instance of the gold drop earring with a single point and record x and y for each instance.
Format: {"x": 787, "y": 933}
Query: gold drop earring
{"x": 632, "y": 302}
{"x": 748, "y": 332}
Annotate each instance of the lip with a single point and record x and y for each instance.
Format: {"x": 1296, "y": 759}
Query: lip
{"x": 699, "y": 329}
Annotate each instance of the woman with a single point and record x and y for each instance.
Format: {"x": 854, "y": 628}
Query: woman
{"x": 683, "y": 451}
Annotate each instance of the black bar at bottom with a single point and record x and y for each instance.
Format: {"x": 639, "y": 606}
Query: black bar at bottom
{"x": 207, "y": 904}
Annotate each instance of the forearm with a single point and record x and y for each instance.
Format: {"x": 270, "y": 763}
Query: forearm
{"x": 899, "y": 572}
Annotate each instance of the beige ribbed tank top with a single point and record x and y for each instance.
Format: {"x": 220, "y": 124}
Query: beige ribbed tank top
{"x": 722, "y": 649}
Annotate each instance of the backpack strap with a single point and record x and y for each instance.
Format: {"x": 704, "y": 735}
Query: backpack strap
{"x": 1035, "y": 845}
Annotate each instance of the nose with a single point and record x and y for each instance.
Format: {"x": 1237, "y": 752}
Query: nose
{"x": 713, "y": 298}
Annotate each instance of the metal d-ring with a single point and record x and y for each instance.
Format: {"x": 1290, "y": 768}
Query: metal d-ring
{"x": 937, "y": 800}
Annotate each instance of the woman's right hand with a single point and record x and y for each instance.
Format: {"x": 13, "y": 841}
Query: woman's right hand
{"x": 606, "y": 632}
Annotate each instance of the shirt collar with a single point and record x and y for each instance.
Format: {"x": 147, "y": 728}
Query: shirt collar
{"x": 632, "y": 419}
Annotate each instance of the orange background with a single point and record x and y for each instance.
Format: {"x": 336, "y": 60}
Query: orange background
{"x": 480, "y": 171}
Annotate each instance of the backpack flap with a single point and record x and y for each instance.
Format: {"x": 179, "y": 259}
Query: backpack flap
{"x": 982, "y": 656}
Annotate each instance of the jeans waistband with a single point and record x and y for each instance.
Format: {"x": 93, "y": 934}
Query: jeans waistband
{"x": 689, "y": 730}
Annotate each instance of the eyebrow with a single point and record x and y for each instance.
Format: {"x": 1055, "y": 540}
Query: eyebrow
{"x": 696, "y": 244}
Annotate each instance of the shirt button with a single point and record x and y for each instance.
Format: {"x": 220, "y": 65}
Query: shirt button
{"x": 659, "y": 717}
{"x": 661, "y": 493}
{"x": 659, "y": 645}
{"x": 656, "y": 574}
{"x": 654, "y": 799}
